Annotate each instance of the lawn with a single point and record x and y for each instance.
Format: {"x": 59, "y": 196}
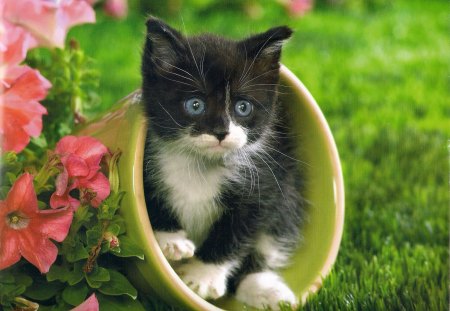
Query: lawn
{"x": 381, "y": 78}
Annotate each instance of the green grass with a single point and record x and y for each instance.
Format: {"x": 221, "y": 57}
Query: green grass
{"x": 381, "y": 79}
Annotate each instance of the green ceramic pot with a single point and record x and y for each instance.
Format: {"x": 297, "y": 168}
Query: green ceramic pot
{"x": 124, "y": 128}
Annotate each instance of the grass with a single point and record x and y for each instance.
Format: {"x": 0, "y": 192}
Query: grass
{"x": 381, "y": 79}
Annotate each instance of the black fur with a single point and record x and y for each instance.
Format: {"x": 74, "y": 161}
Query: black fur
{"x": 267, "y": 201}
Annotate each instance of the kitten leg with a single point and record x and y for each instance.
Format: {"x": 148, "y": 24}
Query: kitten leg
{"x": 208, "y": 280}
{"x": 265, "y": 290}
{"x": 175, "y": 245}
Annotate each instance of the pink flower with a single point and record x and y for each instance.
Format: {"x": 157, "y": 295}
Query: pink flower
{"x": 90, "y": 304}
{"x": 298, "y": 7}
{"x": 81, "y": 158}
{"x": 14, "y": 44}
{"x": 48, "y": 20}
{"x": 25, "y": 230}
{"x": 113, "y": 8}
{"x": 116, "y": 8}
{"x": 21, "y": 89}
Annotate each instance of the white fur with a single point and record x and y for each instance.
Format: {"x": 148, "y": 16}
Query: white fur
{"x": 175, "y": 245}
{"x": 236, "y": 139}
{"x": 193, "y": 192}
{"x": 272, "y": 251}
{"x": 193, "y": 188}
{"x": 205, "y": 141}
{"x": 265, "y": 290}
{"x": 209, "y": 281}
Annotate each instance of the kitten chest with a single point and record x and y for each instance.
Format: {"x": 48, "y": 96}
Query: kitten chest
{"x": 193, "y": 192}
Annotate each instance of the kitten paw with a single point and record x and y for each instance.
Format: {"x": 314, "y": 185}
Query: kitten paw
{"x": 209, "y": 281}
{"x": 265, "y": 290}
{"x": 175, "y": 245}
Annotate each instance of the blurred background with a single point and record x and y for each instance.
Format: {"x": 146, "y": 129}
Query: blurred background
{"x": 379, "y": 71}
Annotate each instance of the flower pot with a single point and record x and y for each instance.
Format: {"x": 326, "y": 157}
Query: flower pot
{"x": 124, "y": 127}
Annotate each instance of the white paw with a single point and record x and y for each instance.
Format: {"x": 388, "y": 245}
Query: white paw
{"x": 209, "y": 281}
{"x": 175, "y": 245}
{"x": 265, "y": 290}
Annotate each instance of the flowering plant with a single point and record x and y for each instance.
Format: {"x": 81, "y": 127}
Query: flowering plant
{"x": 62, "y": 241}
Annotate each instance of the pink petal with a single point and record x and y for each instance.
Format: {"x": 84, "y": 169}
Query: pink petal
{"x": 90, "y": 149}
{"x": 66, "y": 145}
{"x": 26, "y": 115}
{"x": 22, "y": 114}
{"x": 116, "y": 8}
{"x": 76, "y": 166}
{"x": 54, "y": 224}
{"x": 9, "y": 247}
{"x": 21, "y": 196}
{"x": 48, "y": 21}
{"x": 16, "y": 42}
{"x": 61, "y": 182}
{"x": 3, "y": 212}
{"x": 90, "y": 304}
{"x": 87, "y": 148}
{"x": 11, "y": 73}
{"x": 98, "y": 184}
{"x": 299, "y": 7}
{"x": 64, "y": 200}
{"x": 28, "y": 85}
{"x": 37, "y": 249}
{"x": 78, "y": 12}
{"x": 13, "y": 137}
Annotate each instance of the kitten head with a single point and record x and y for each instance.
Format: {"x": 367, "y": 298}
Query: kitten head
{"x": 207, "y": 94}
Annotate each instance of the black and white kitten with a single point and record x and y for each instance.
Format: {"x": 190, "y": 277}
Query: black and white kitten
{"x": 221, "y": 180}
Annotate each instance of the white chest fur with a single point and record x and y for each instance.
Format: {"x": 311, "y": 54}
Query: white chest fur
{"x": 193, "y": 192}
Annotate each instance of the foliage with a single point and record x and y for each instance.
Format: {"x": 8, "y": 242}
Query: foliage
{"x": 90, "y": 260}
{"x": 73, "y": 95}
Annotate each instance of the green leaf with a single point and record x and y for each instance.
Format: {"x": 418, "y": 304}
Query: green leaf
{"x": 75, "y": 295}
{"x": 22, "y": 278}
{"x": 12, "y": 290}
{"x": 97, "y": 277}
{"x": 56, "y": 272}
{"x": 128, "y": 248}
{"x": 93, "y": 236}
{"x": 114, "y": 229}
{"x": 42, "y": 290}
{"x": 76, "y": 252}
{"x": 40, "y": 141}
{"x": 77, "y": 274}
{"x": 118, "y": 285}
{"x": 42, "y": 205}
{"x": 11, "y": 177}
{"x": 119, "y": 220}
{"x": 118, "y": 303}
{"x": 13, "y": 283}
{"x": 7, "y": 277}
{"x": 82, "y": 215}
{"x": 109, "y": 207}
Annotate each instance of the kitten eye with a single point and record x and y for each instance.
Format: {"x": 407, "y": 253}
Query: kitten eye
{"x": 194, "y": 106}
{"x": 243, "y": 108}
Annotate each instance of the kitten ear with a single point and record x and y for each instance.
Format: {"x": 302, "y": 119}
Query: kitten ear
{"x": 163, "y": 44}
{"x": 266, "y": 46}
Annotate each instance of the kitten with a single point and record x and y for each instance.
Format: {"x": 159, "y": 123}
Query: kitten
{"x": 221, "y": 180}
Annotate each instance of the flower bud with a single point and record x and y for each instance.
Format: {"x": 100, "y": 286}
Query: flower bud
{"x": 112, "y": 239}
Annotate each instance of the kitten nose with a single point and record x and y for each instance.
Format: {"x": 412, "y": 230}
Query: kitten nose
{"x": 220, "y": 134}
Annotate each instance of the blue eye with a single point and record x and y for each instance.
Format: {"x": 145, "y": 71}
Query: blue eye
{"x": 243, "y": 108}
{"x": 194, "y": 106}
